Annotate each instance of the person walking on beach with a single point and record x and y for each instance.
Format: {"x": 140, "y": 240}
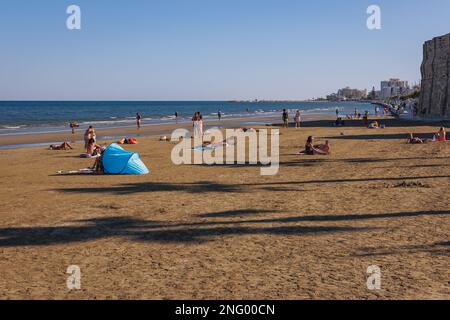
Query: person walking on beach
{"x": 298, "y": 119}
{"x": 285, "y": 119}
{"x": 219, "y": 115}
{"x": 138, "y": 120}
{"x": 176, "y": 117}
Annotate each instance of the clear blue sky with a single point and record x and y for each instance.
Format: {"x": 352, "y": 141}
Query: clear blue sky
{"x": 209, "y": 49}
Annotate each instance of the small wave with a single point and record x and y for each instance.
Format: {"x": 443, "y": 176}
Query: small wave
{"x": 105, "y": 122}
{"x": 14, "y": 127}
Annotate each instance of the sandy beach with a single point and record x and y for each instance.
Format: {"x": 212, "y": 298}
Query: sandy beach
{"x": 226, "y": 232}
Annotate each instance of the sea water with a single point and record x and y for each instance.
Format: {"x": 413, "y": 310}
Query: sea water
{"x": 24, "y": 117}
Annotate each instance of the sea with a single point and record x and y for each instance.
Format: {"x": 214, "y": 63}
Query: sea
{"x": 33, "y": 117}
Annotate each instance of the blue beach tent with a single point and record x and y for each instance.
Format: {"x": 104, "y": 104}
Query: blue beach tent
{"x": 119, "y": 161}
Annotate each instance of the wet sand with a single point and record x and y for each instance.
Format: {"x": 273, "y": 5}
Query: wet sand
{"x": 131, "y": 131}
{"x": 226, "y": 232}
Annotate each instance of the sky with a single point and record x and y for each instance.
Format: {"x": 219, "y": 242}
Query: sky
{"x": 209, "y": 49}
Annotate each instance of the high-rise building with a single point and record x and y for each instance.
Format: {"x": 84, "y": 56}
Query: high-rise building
{"x": 394, "y": 87}
{"x": 349, "y": 93}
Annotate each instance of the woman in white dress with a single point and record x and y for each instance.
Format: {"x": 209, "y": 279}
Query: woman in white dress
{"x": 197, "y": 120}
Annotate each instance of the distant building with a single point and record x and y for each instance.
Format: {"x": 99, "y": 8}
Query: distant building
{"x": 394, "y": 87}
{"x": 435, "y": 88}
{"x": 348, "y": 93}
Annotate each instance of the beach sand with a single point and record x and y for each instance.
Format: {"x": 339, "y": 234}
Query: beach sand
{"x": 226, "y": 232}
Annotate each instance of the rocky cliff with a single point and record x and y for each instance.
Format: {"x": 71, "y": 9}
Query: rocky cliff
{"x": 435, "y": 93}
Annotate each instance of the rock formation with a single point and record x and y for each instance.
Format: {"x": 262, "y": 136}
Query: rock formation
{"x": 435, "y": 92}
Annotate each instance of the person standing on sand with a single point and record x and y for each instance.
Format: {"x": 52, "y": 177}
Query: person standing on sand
{"x": 138, "y": 120}
{"x": 197, "y": 121}
{"x": 285, "y": 119}
{"x": 298, "y": 119}
{"x": 219, "y": 115}
{"x": 176, "y": 117}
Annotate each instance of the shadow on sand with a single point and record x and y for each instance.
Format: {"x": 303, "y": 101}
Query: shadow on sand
{"x": 195, "y": 232}
{"x": 207, "y": 187}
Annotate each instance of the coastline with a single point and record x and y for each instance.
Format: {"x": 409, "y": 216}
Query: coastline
{"x": 16, "y": 141}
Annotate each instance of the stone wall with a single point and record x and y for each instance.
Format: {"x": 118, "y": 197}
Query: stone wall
{"x": 435, "y": 93}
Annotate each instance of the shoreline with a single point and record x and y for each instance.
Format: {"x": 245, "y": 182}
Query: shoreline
{"x": 18, "y": 141}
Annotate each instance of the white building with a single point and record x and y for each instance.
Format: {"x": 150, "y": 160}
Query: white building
{"x": 394, "y": 87}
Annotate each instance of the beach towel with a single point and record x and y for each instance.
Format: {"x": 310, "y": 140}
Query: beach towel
{"x": 80, "y": 171}
{"x": 89, "y": 156}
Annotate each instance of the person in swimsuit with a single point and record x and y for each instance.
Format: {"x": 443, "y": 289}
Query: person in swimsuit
{"x": 63, "y": 146}
{"x": 414, "y": 140}
{"x": 441, "y": 136}
{"x": 325, "y": 148}
{"x": 311, "y": 150}
{"x": 88, "y": 135}
{"x": 138, "y": 120}
{"x": 285, "y": 119}
{"x": 93, "y": 148}
{"x": 298, "y": 119}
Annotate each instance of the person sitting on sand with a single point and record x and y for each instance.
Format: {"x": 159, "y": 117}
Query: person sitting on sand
{"x": 325, "y": 148}
{"x": 414, "y": 140}
{"x": 88, "y": 135}
{"x": 93, "y": 149}
{"x": 441, "y": 136}
{"x": 63, "y": 146}
{"x": 311, "y": 150}
{"x": 98, "y": 166}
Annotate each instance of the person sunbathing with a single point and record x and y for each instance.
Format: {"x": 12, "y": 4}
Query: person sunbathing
{"x": 219, "y": 144}
{"x": 63, "y": 146}
{"x": 311, "y": 149}
{"x": 325, "y": 148}
{"x": 414, "y": 140}
{"x": 374, "y": 125}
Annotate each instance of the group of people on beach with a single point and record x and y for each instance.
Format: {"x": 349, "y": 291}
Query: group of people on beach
{"x": 94, "y": 150}
{"x": 297, "y": 119}
{"x": 440, "y": 136}
{"x": 198, "y": 124}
